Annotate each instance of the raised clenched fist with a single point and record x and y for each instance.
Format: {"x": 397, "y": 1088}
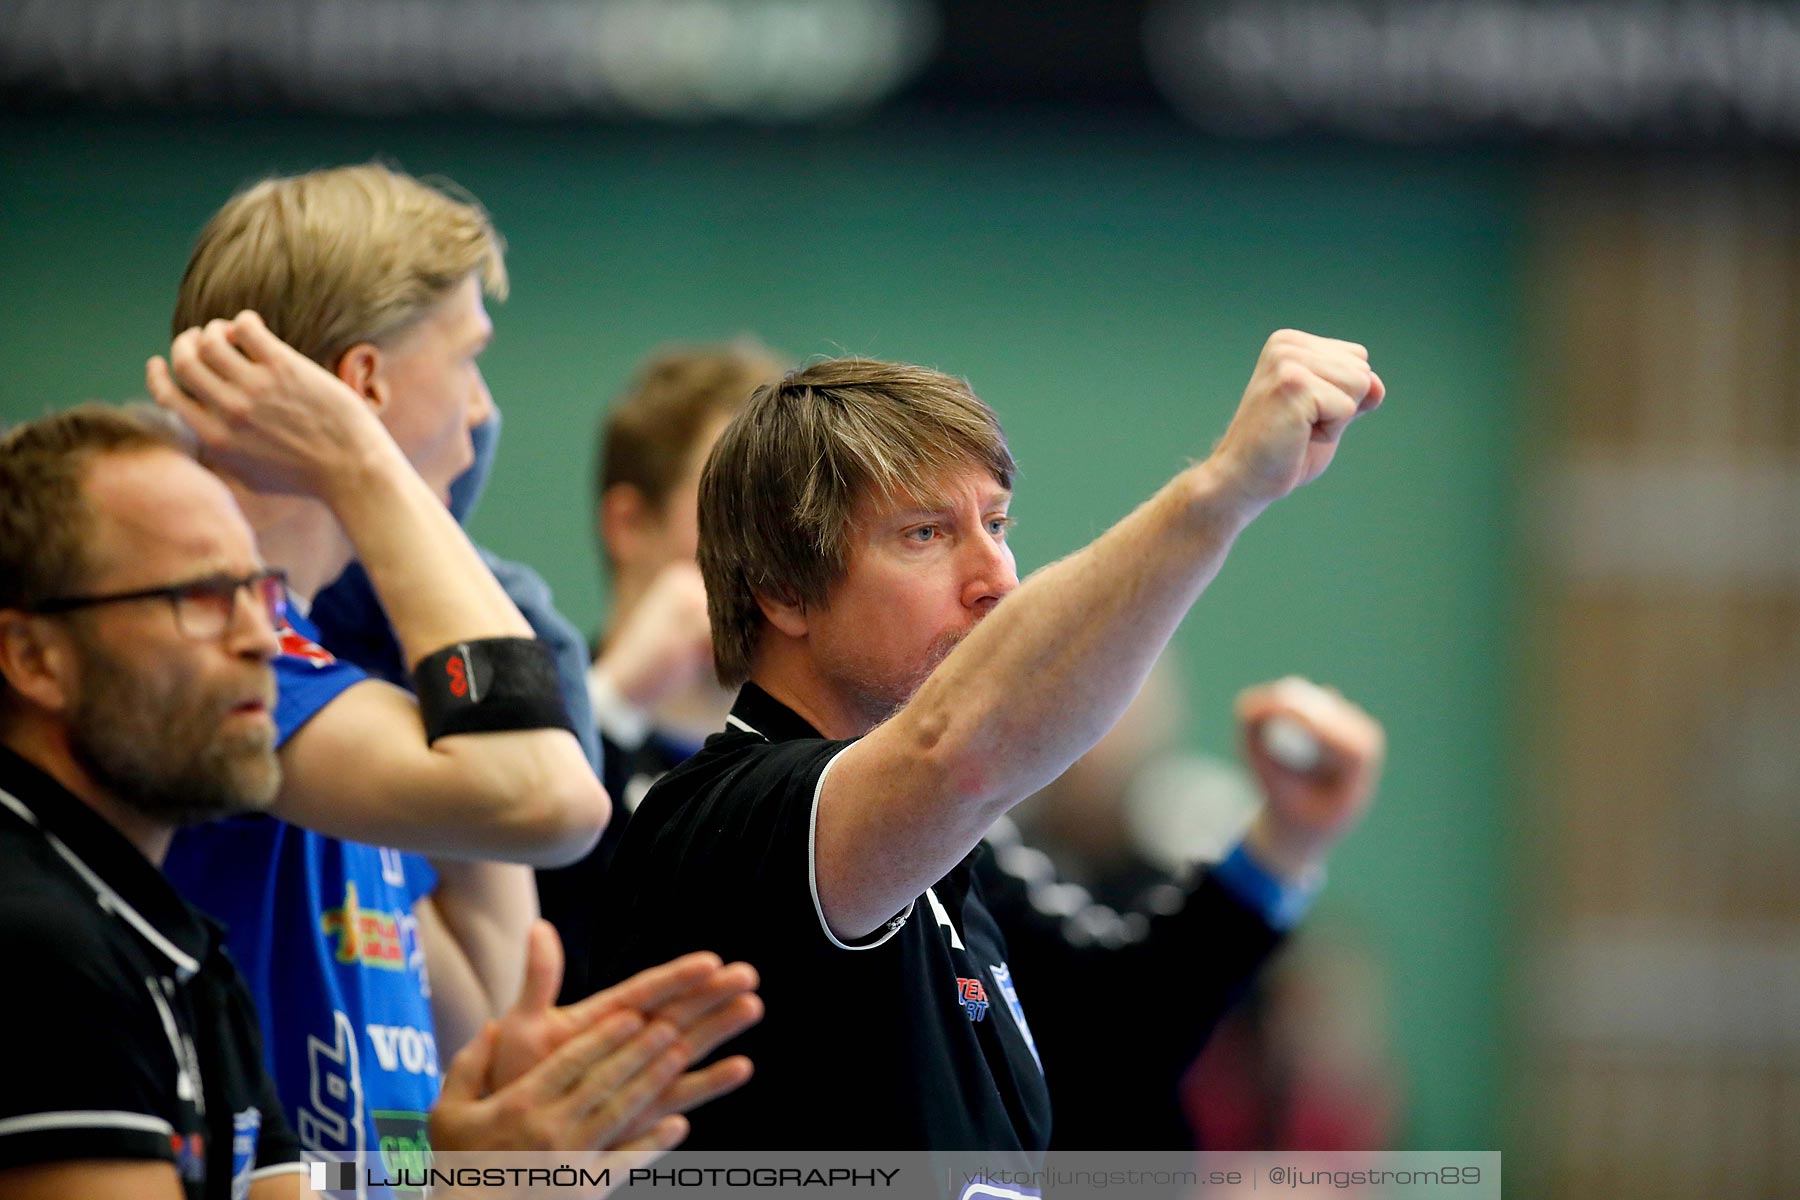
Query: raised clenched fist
{"x": 1304, "y": 392}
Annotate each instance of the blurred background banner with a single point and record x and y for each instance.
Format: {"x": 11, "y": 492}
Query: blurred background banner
{"x": 1562, "y": 564}
{"x": 795, "y": 60}
{"x": 1631, "y": 69}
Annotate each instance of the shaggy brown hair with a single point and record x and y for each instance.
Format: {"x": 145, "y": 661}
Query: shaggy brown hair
{"x": 778, "y": 490}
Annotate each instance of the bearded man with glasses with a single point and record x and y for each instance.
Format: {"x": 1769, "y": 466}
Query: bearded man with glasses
{"x": 129, "y": 706}
{"x": 138, "y": 628}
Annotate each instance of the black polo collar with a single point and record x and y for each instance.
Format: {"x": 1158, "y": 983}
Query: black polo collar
{"x": 123, "y": 881}
{"x": 755, "y": 711}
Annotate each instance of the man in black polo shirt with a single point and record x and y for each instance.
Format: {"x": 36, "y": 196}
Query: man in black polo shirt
{"x": 136, "y": 630}
{"x": 852, "y": 539}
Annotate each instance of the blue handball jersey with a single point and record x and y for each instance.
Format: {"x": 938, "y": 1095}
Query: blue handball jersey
{"x": 324, "y": 932}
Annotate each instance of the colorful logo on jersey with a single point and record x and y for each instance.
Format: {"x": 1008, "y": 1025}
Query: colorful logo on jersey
{"x": 295, "y": 646}
{"x": 367, "y": 936}
{"x": 972, "y": 995}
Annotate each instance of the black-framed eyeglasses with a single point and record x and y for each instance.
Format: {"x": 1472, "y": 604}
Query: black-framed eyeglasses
{"x": 203, "y": 607}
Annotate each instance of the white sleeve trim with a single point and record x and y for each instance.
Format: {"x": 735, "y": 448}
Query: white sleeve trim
{"x": 812, "y": 873}
{"x": 85, "y": 1119}
{"x": 287, "y": 1168}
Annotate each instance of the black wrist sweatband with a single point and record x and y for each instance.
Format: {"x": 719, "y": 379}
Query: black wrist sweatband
{"x": 489, "y": 685}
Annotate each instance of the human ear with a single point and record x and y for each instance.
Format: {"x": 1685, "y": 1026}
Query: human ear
{"x": 36, "y": 660}
{"x": 624, "y": 518}
{"x": 788, "y": 616}
{"x": 360, "y": 368}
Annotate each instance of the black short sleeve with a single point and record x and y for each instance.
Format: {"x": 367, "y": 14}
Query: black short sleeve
{"x": 741, "y": 829}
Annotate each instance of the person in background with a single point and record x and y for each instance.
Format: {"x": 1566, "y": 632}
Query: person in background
{"x": 1298, "y": 1063}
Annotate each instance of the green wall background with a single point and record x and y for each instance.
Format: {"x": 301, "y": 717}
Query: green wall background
{"x": 1105, "y": 286}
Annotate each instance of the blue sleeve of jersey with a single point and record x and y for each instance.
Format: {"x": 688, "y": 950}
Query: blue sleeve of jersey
{"x": 304, "y": 686}
{"x": 421, "y": 877}
{"x": 350, "y": 621}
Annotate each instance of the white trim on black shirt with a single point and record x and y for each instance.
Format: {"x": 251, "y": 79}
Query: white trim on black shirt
{"x": 812, "y": 867}
{"x": 100, "y": 1083}
{"x": 812, "y": 854}
{"x": 110, "y": 901}
{"x": 85, "y": 1119}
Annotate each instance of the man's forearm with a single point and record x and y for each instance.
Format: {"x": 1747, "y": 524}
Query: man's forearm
{"x": 1024, "y": 695}
{"x": 476, "y": 955}
{"x": 1028, "y": 691}
{"x": 436, "y": 590}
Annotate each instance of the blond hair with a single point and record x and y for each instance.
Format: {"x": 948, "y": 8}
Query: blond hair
{"x": 778, "y": 490}
{"x": 334, "y": 258}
